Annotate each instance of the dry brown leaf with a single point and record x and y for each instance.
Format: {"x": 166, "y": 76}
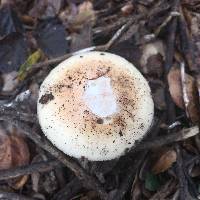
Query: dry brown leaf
{"x": 20, "y": 156}
{"x": 176, "y": 91}
{"x": 19, "y": 182}
{"x": 20, "y": 151}
{"x": 127, "y": 9}
{"x": 164, "y": 162}
{"x": 5, "y": 150}
{"x": 174, "y": 81}
{"x": 84, "y": 15}
{"x": 13, "y": 152}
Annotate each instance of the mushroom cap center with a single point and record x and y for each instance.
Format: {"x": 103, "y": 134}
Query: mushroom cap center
{"x": 99, "y": 97}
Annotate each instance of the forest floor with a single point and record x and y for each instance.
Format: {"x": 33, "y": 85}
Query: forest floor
{"x": 161, "y": 38}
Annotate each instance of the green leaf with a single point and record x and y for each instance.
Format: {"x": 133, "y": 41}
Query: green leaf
{"x": 32, "y": 59}
{"x": 152, "y": 182}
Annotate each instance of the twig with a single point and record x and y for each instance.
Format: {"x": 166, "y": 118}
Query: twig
{"x": 90, "y": 181}
{"x": 171, "y": 39}
{"x": 167, "y": 139}
{"x": 69, "y": 191}
{"x": 8, "y": 96}
{"x": 165, "y": 22}
{"x": 13, "y": 196}
{"x": 165, "y": 190}
{"x": 186, "y": 44}
{"x": 183, "y": 183}
{"x": 122, "y": 30}
{"x": 169, "y": 61}
{"x": 27, "y": 117}
{"x": 125, "y": 184}
{"x": 29, "y": 169}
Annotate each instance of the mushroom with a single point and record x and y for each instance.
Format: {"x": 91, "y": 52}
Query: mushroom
{"x": 95, "y": 105}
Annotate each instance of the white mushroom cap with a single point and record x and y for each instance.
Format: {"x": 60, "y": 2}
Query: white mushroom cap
{"x": 95, "y": 105}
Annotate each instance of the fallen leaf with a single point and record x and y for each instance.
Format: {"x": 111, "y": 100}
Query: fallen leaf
{"x": 9, "y": 81}
{"x": 175, "y": 87}
{"x": 128, "y": 50}
{"x": 13, "y": 52}
{"x": 91, "y": 195}
{"x": 13, "y": 152}
{"x": 164, "y": 162}
{"x": 20, "y": 156}
{"x": 77, "y": 41}
{"x": 51, "y": 37}
{"x": 20, "y": 151}
{"x": 9, "y": 21}
{"x": 152, "y": 182}
{"x": 44, "y": 9}
{"x": 32, "y": 59}
{"x": 127, "y": 9}
{"x": 158, "y": 93}
{"x": 85, "y": 15}
{"x": 5, "y": 150}
{"x": 18, "y": 183}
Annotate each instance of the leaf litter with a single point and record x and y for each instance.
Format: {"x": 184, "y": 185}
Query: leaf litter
{"x": 161, "y": 38}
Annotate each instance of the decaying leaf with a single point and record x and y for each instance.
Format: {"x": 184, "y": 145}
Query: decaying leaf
{"x": 164, "y": 162}
{"x": 5, "y": 150}
{"x": 45, "y": 8}
{"x": 152, "y": 58}
{"x": 20, "y": 151}
{"x": 127, "y": 9}
{"x": 51, "y": 37}
{"x": 158, "y": 93}
{"x": 9, "y": 21}
{"x": 176, "y": 91}
{"x": 14, "y": 152}
{"x": 152, "y": 182}
{"x": 174, "y": 81}
{"x": 77, "y": 18}
{"x": 32, "y": 59}
{"x": 9, "y": 81}
{"x": 13, "y": 52}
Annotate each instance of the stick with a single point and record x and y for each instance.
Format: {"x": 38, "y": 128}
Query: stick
{"x": 69, "y": 191}
{"x": 13, "y": 196}
{"x": 27, "y": 117}
{"x": 169, "y": 61}
{"x": 167, "y": 139}
{"x": 29, "y": 169}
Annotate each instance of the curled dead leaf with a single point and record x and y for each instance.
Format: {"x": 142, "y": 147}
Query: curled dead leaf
{"x": 20, "y": 151}
{"x": 176, "y": 86}
{"x": 164, "y": 162}
{"x": 174, "y": 81}
{"x": 5, "y": 151}
{"x": 20, "y": 156}
{"x": 13, "y": 152}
